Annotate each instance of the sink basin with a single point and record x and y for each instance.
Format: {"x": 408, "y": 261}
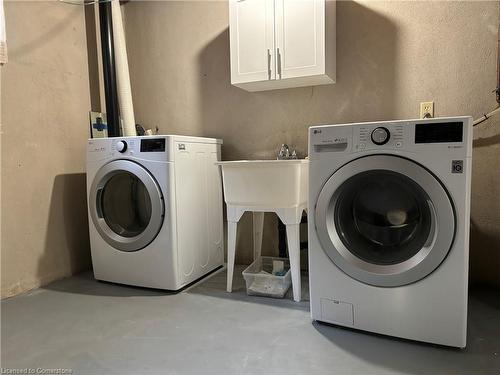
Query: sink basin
{"x": 265, "y": 183}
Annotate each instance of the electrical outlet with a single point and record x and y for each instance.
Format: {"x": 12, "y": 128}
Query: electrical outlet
{"x": 426, "y": 109}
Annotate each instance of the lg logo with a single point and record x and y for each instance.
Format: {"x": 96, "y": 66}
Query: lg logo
{"x": 457, "y": 166}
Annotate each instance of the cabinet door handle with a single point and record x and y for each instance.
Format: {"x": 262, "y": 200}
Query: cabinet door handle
{"x": 279, "y": 61}
{"x": 269, "y": 63}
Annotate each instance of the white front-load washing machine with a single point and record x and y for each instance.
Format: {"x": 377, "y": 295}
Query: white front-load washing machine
{"x": 389, "y": 206}
{"x": 155, "y": 209}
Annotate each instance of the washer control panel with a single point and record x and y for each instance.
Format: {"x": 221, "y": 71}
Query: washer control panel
{"x": 144, "y": 148}
{"x": 450, "y": 135}
{"x": 374, "y": 136}
{"x": 122, "y": 146}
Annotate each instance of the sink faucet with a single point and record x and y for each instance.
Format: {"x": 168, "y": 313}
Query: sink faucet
{"x": 284, "y": 153}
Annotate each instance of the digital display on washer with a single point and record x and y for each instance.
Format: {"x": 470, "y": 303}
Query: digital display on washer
{"x": 439, "y": 132}
{"x": 153, "y": 145}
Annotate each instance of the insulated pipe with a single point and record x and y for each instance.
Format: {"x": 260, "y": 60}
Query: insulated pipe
{"x": 108, "y": 67}
{"x": 93, "y": 58}
{"x": 122, "y": 72}
{"x": 498, "y": 59}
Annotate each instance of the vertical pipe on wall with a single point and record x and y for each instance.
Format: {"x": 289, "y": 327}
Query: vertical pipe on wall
{"x": 93, "y": 58}
{"x": 108, "y": 62}
{"x": 122, "y": 72}
{"x": 498, "y": 57}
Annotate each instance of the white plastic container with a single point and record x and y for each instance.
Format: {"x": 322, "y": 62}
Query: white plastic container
{"x": 263, "y": 183}
{"x": 260, "y": 280}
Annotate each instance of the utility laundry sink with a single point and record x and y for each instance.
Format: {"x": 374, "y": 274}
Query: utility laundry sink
{"x": 260, "y": 186}
{"x": 264, "y": 183}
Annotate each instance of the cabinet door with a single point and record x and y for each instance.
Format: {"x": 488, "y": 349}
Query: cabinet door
{"x": 300, "y": 38}
{"x": 251, "y": 31}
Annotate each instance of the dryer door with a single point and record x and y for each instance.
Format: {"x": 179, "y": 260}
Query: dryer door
{"x": 385, "y": 220}
{"x": 126, "y": 205}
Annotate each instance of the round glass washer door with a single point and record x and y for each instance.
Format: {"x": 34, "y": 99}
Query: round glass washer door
{"x": 126, "y": 205}
{"x": 385, "y": 220}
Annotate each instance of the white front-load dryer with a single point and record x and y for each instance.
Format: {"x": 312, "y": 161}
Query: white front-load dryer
{"x": 155, "y": 209}
{"x": 389, "y": 206}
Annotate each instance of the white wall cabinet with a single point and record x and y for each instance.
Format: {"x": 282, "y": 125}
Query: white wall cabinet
{"x": 277, "y": 44}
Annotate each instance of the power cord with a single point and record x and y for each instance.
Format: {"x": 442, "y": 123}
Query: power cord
{"x": 84, "y": 2}
{"x": 486, "y": 116}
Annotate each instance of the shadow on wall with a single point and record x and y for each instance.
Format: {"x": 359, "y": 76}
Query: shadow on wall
{"x": 253, "y": 125}
{"x": 486, "y": 141}
{"x": 484, "y": 256}
{"x": 484, "y": 234}
{"x": 67, "y": 246}
{"x": 45, "y": 37}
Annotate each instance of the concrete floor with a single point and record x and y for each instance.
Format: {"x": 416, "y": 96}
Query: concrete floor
{"x": 99, "y": 328}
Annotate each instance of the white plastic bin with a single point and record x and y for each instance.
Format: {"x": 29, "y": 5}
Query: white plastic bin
{"x": 260, "y": 280}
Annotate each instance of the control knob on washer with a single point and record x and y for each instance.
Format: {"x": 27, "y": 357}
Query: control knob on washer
{"x": 380, "y": 136}
{"x": 121, "y": 146}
